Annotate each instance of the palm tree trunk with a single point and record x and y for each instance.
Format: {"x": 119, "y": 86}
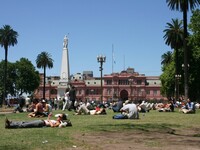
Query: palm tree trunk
{"x": 185, "y": 52}
{"x": 176, "y": 73}
{"x": 44, "y": 82}
{"x": 5, "y": 75}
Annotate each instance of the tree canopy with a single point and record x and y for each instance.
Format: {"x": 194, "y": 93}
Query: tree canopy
{"x": 168, "y": 75}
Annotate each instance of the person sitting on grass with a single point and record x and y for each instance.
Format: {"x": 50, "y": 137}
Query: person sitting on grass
{"x": 61, "y": 119}
{"x": 168, "y": 107}
{"x": 128, "y": 111}
{"x": 38, "y": 112}
{"x": 189, "y": 107}
{"x": 32, "y": 106}
{"x": 99, "y": 110}
{"x": 117, "y": 106}
{"x": 47, "y": 108}
{"x": 82, "y": 109}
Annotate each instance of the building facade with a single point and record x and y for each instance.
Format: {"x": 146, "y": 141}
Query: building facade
{"x": 125, "y": 85}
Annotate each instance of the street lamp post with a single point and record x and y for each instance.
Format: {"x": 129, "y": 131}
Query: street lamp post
{"x": 101, "y": 59}
{"x": 177, "y": 76}
{"x": 186, "y": 88}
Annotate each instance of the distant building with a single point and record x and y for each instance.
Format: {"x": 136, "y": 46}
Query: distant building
{"x": 88, "y": 74}
{"x": 125, "y": 85}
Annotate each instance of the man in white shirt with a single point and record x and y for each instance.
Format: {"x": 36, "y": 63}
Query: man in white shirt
{"x": 128, "y": 111}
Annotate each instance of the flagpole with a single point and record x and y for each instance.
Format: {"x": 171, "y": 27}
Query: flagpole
{"x": 112, "y": 57}
{"x": 112, "y": 71}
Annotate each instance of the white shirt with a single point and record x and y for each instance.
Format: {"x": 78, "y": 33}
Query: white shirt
{"x": 67, "y": 96}
{"x": 131, "y": 110}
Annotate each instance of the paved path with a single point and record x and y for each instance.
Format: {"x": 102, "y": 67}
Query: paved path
{"x": 5, "y": 112}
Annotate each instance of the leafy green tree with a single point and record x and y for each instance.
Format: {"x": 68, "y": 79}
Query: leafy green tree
{"x": 194, "y": 42}
{"x": 10, "y": 79}
{"x": 22, "y": 77}
{"x": 44, "y": 60}
{"x": 167, "y": 80}
{"x": 194, "y": 68}
{"x": 8, "y": 37}
{"x": 174, "y": 38}
{"x": 27, "y": 78}
{"x": 184, "y": 6}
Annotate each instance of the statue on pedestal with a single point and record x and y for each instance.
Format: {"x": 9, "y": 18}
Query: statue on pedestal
{"x": 65, "y": 43}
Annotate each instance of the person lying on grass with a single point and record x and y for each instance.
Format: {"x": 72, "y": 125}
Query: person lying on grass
{"x": 99, "y": 110}
{"x": 61, "y": 121}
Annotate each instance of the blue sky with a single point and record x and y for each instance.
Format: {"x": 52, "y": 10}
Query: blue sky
{"x": 133, "y": 27}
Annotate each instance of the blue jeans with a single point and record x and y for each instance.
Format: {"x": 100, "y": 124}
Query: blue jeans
{"x": 120, "y": 116}
{"x": 116, "y": 109}
{"x": 26, "y": 124}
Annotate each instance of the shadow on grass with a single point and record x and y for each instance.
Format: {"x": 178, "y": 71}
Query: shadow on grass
{"x": 13, "y": 147}
{"x": 161, "y": 128}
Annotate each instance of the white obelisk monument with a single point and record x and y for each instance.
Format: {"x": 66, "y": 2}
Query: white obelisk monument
{"x": 65, "y": 71}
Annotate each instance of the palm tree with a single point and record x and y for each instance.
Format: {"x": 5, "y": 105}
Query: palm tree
{"x": 8, "y": 37}
{"x": 174, "y": 37}
{"x": 184, "y": 6}
{"x": 44, "y": 60}
{"x": 166, "y": 58}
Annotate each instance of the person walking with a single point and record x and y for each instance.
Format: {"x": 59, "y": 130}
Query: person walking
{"x": 66, "y": 102}
{"x": 72, "y": 98}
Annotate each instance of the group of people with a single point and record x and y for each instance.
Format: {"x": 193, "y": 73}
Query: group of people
{"x": 127, "y": 110}
{"x": 40, "y": 108}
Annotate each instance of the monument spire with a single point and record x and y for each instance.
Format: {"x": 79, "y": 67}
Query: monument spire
{"x": 65, "y": 73}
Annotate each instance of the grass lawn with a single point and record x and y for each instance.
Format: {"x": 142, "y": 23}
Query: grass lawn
{"x": 174, "y": 123}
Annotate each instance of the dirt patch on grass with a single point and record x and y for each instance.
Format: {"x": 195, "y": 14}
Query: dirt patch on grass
{"x": 188, "y": 139}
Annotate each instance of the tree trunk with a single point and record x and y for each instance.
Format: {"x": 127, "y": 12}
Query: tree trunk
{"x": 44, "y": 82}
{"x": 5, "y": 75}
{"x": 185, "y": 52}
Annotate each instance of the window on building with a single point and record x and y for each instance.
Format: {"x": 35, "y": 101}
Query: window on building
{"x": 123, "y": 82}
{"x": 148, "y": 92}
{"x": 88, "y": 82}
{"x": 109, "y": 82}
{"x": 109, "y": 91}
{"x": 154, "y": 82}
{"x": 87, "y": 91}
{"x": 155, "y": 92}
{"x": 139, "y": 82}
{"x": 95, "y": 83}
{"x": 53, "y": 91}
{"x": 79, "y": 92}
{"x": 139, "y": 92}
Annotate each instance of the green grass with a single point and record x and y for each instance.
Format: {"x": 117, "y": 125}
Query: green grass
{"x": 62, "y": 138}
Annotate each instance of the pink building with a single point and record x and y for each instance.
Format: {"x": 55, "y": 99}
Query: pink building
{"x": 125, "y": 85}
